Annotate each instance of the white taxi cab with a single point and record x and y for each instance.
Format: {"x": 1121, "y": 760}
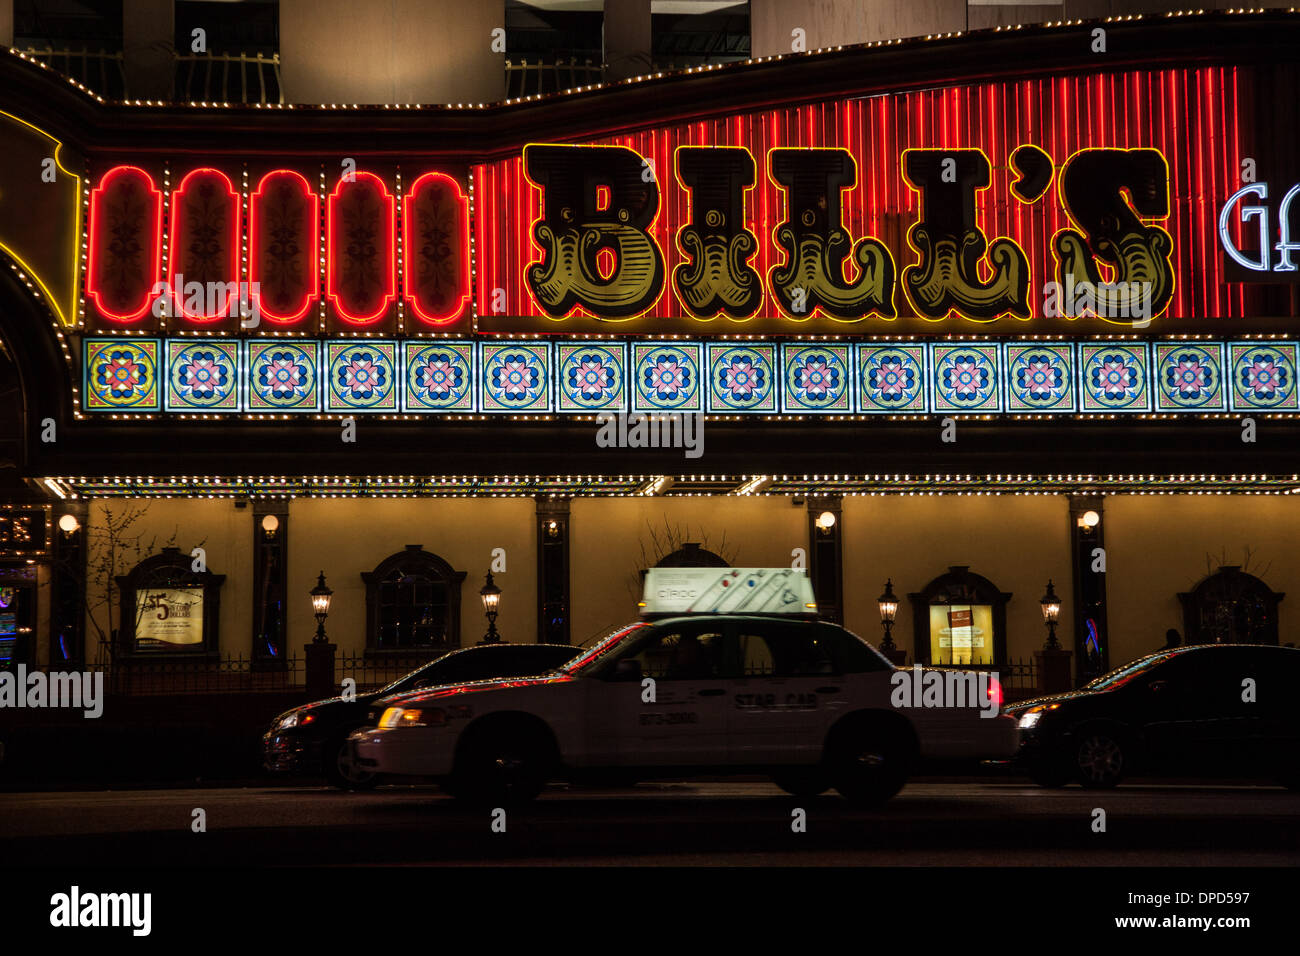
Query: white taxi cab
{"x": 729, "y": 672}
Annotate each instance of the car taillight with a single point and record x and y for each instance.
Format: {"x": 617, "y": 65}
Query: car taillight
{"x": 995, "y": 692}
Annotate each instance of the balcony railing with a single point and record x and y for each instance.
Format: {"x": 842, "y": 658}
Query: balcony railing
{"x": 202, "y": 77}
{"x": 530, "y": 78}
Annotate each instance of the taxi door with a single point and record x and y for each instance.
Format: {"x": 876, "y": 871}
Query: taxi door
{"x": 783, "y": 692}
{"x": 678, "y": 718}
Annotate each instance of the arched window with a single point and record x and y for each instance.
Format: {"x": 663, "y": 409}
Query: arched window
{"x": 413, "y": 602}
{"x": 168, "y": 608}
{"x": 691, "y": 555}
{"x": 1230, "y": 607}
{"x": 960, "y": 618}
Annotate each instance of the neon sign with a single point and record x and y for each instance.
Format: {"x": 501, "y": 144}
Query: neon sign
{"x": 1285, "y": 245}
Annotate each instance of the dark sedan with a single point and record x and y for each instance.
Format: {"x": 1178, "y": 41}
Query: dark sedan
{"x": 1207, "y": 710}
{"x": 310, "y": 739}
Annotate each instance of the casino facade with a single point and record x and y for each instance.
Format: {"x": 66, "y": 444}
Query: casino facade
{"x": 965, "y": 313}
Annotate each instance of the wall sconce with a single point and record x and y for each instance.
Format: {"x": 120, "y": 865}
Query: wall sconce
{"x": 552, "y": 529}
{"x": 825, "y": 521}
{"x": 69, "y": 525}
{"x": 1089, "y": 520}
{"x": 270, "y": 525}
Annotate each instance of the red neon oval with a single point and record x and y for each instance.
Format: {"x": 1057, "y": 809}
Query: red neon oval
{"x": 205, "y": 211}
{"x": 284, "y": 210}
{"x": 125, "y": 211}
{"x": 350, "y": 235}
{"x": 436, "y": 276}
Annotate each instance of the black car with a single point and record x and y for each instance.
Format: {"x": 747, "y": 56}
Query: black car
{"x": 310, "y": 739}
{"x": 1205, "y": 710}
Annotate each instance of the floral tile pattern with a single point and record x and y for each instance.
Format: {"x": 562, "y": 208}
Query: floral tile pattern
{"x": 1113, "y": 377}
{"x": 816, "y": 378}
{"x": 742, "y": 378}
{"x": 966, "y": 378}
{"x": 666, "y": 377}
{"x": 202, "y": 376}
{"x": 1040, "y": 377}
{"x": 439, "y": 377}
{"x": 591, "y": 376}
{"x": 362, "y": 376}
{"x": 1189, "y": 375}
{"x": 1263, "y": 375}
{"x": 516, "y": 377}
{"x": 283, "y": 376}
{"x": 891, "y": 378}
{"x": 122, "y": 375}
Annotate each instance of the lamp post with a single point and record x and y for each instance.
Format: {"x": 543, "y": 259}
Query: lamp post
{"x": 888, "y": 610}
{"x": 1051, "y": 605}
{"x": 491, "y": 595}
{"x": 320, "y": 605}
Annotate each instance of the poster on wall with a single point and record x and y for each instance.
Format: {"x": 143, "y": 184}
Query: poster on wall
{"x": 169, "y": 618}
{"x": 961, "y": 634}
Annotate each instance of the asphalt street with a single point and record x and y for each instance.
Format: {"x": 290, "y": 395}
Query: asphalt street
{"x": 731, "y": 823}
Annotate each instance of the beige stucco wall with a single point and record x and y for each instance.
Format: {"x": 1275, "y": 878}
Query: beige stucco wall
{"x": 606, "y": 537}
{"x": 224, "y": 532}
{"x": 828, "y": 23}
{"x": 346, "y": 536}
{"x": 1016, "y": 541}
{"x": 1157, "y": 546}
{"x": 399, "y": 51}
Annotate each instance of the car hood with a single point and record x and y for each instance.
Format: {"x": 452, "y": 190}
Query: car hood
{"x": 1020, "y": 706}
{"x": 429, "y": 694}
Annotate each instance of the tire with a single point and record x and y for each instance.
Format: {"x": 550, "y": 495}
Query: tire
{"x": 503, "y": 765}
{"x": 336, "y": 762}
{"x": 802, "y": 782}
{"x": 869, "y": 761}
{"x": 1100, "y": 760}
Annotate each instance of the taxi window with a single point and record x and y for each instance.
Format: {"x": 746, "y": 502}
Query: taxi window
{"x": 680, "y": 654}
{"x": 780, "y": 649}
{"x": 851, "y": 653}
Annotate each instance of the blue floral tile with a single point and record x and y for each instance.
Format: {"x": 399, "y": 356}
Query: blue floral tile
{"x": 122, "y": 375}
{"x": 1263, "y": 375}
{"x": 891, "y": 378}
{"x": 516, "y": 377}
{"x": 283, "y": 375}
{"x": 1040, "y": 377}
{"x": 202, "y": 376}
{"x": 742, "y": 378}
{"x": 966, "y": 378}
{"x": 591, "y": 376}
{"x": 816, "y": 378}
{"x": 666, "y": 377}
{"x": 362, "y": 376}
{"x": 439, "y": 377}
{"x": 1113, "y": 377}
{"x": 1189, "y": 376}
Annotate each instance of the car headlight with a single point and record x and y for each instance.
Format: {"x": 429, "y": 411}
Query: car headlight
{"x": 288, "y": 720}
{"x": 1029, "y": 718}
{"x": 412, "y": 717}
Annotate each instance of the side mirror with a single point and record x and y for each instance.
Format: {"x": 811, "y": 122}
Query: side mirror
{"x": 628, "y": 669}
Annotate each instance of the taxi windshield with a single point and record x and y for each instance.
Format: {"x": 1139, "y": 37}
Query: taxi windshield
{"x": 600, "y": 649}
{"x": 1122, "y": 675}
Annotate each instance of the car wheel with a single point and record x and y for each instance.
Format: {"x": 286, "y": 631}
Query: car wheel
{"x": 1100, "y": 760}
{"x": 869, "y": 763}
{"x": 801, "y": 783}
{"x": 502, "y": 767}
{"x": 341, "y": 770}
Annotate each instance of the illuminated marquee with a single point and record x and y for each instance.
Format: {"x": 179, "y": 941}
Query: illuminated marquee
{"x": 1072, "y": 204}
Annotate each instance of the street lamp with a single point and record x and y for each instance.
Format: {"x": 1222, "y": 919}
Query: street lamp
{"x": 491, "y": 595}
{"x": 888, "y": 610}
{"x": 320, "y": 605}
{"x": 1051, "y": 605}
